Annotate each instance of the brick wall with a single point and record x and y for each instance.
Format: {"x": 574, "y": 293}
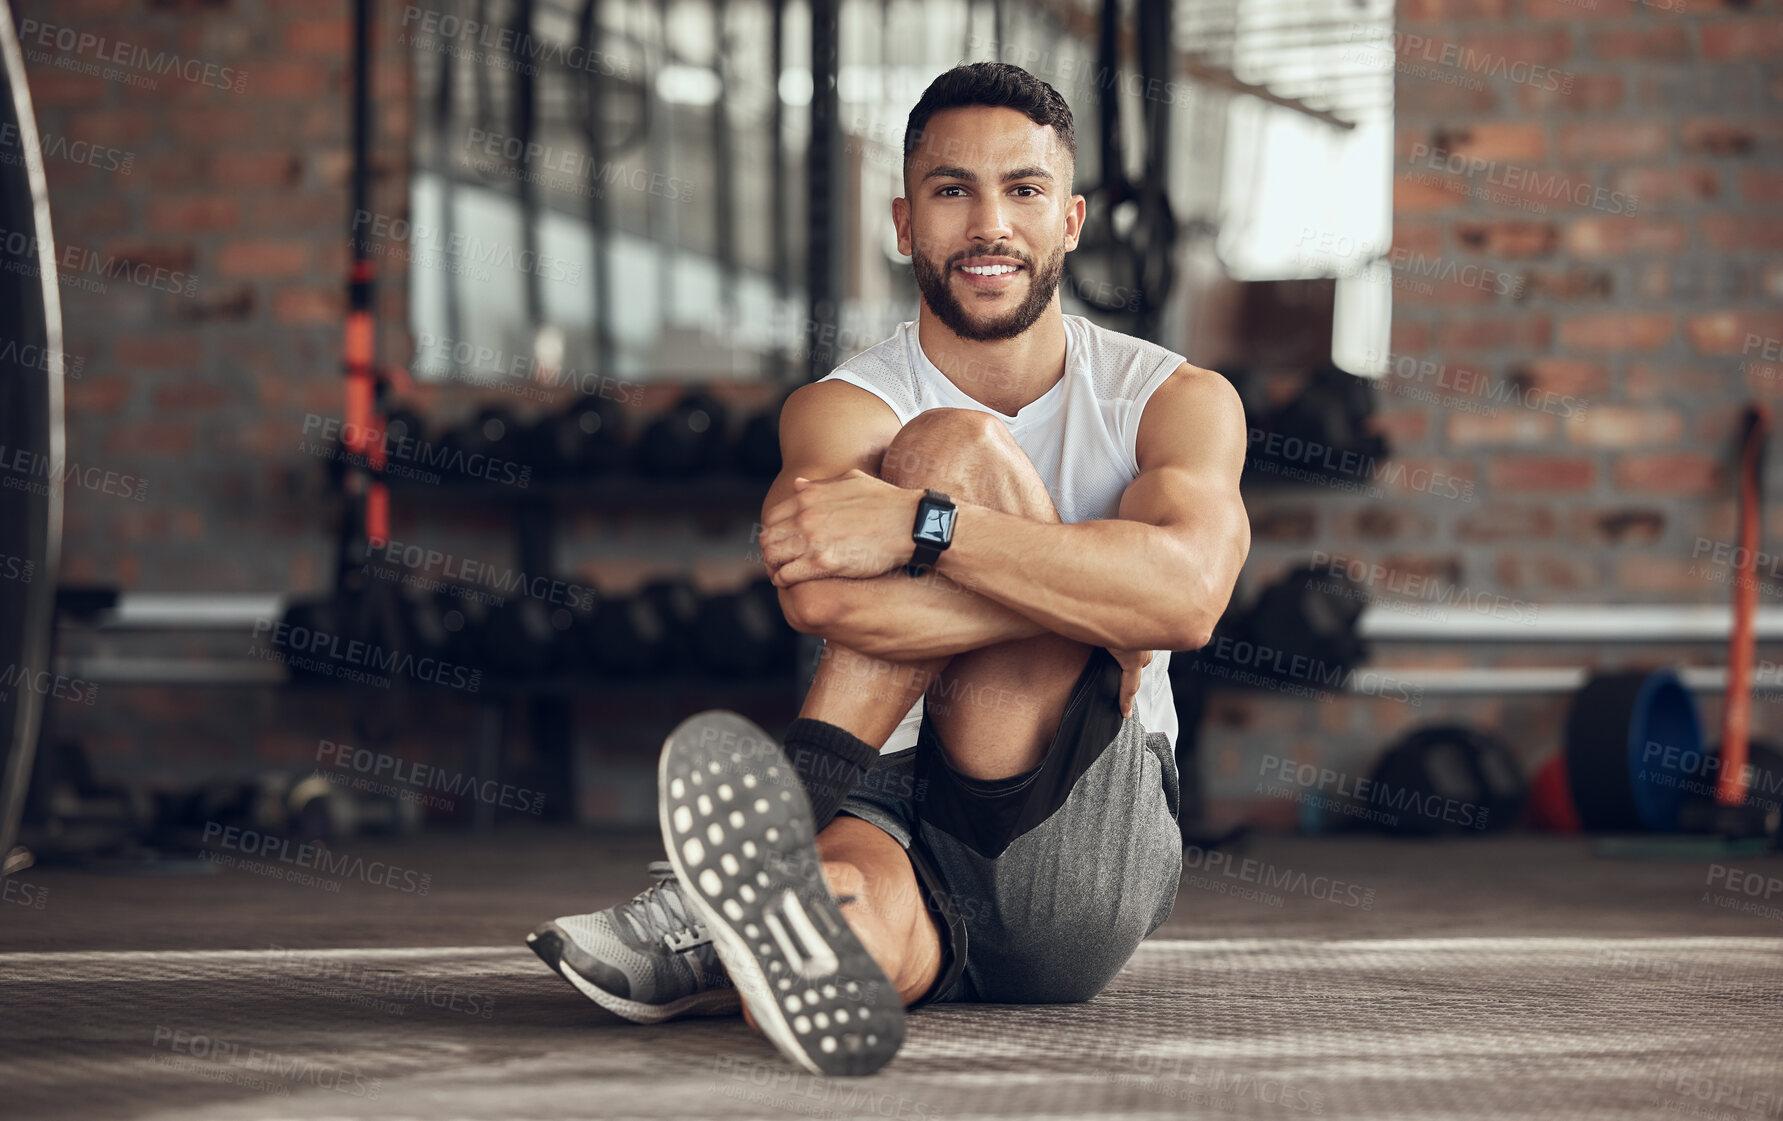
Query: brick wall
{"x": 198, "y": 154}
{"x": 227, "y": 169}
{"x": 1586, "y": 229}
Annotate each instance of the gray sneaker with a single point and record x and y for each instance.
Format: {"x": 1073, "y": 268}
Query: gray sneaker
{"x": 738, "y": 828}
{"x": 648, "y": 960}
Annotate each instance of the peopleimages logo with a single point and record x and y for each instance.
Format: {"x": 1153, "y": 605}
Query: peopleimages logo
{"x": 349, "y": 658}
{"x": 309, "y": 857}
{"x": 331, "y": 436}
{"x": 68, "y": 40}
{"x": 378, "y": 765}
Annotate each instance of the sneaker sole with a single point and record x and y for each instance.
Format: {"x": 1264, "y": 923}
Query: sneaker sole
{"x": 737, "y": 826}
{"x": 557, "y": 950}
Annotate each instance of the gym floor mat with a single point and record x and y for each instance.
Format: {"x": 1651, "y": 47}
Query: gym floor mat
{"x": 1508, "y": 978}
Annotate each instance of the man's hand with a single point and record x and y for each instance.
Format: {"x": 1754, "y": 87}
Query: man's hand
{"x": 1132, "y": 661}
{"x": 854, "y": 525}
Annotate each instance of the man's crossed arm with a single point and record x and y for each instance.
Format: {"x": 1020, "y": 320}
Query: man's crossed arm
{"x": 1157, "y": 577}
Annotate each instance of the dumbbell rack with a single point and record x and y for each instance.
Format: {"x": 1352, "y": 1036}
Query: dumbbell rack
{"x": 717, "y": 500}
{"x": 714, "y": 499}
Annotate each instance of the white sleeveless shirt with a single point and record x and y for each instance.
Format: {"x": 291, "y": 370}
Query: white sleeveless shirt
{"x": 1081, "y": 436}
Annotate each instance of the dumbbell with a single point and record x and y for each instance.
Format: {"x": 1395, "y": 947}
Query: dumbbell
{"x": 756, "y": 454}
{"x": 404, "y": 434}
{"x": 688, "y": 441}
{"x": 494, "y": 434}
{"x": 587, "y": 438}
{"x": 745, "y": 633}
{"x": 649, "y": 631}
{"x": 527, "y": 637}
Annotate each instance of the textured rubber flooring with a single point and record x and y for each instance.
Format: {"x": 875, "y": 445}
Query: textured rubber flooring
{"x": 1428, "y": 1022}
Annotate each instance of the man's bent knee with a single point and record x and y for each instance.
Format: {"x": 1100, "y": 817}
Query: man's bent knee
{"x": 932, "y": 444}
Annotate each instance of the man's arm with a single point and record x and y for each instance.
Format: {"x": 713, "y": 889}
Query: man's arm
{"x": 1159, "y": 575}
{"x": 826, "y": 429}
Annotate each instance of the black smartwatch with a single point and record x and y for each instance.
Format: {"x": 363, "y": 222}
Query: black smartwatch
{"x": 932, "y": 532}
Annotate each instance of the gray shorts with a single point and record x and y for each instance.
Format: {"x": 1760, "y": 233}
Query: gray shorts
{"x": 1041, "y": 893}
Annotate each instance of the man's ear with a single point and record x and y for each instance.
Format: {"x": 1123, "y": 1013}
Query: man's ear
{"x": 1074, "y": 215}
{"x": 901, "y": 222}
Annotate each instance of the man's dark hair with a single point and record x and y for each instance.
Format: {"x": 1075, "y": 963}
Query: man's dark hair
{"x": 995, "y": 84}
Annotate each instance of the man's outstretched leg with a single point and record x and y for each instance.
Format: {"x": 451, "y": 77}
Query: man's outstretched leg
{"x": 738, "y": 828}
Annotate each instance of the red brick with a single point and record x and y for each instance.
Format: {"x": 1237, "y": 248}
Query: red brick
{"x": 1733, "y": 332}
{"x": 1650, "y": 186}
{"x": 1432, "y": 478}
{"x": 1387, "y": 523}
{"x": 202, "y": 212}
{"x": 1756, "y": 39}
{"x": 185, "y": 396}
{"x": 218, "y": 303}
{"x": 1735, "y": 233}
{"x": 1408, "y": 338}
{"x": 1504, "y": 522}
{"x": 90, "y": 396}
{"x": 331, "y": 37}
{"x": 216, "y": 124}
{"x": 1669, "y": 473}
{"x": 165, "y": 438}
{"x": 1426, "y": 98}
{"x": 1572, "y": 11}
{"x": 1524, "y": 332}
{"x": 1418, "y": 237}
{"x": 157, "y": 352}
{"x": 52, "y": 87}
{"x": 307, "y": 306}
{"x": 1508, "y": 238}
{"x": 1549, "y": 572}
{"x": 1511, "y": 425}
{"x": 114, "y": 127}
{"x": 1718, "y": 138}
{"x": 1672, "y": 381}
{"x": 1446, "y": 11}
{"x": 1424, "y": 191}
{"x": 279, "y": 80}
{"x": 174, "y": 258}
{"x": 256, "y": 169}
{"x": 1295, "y": 523}
{"x": 1622, "y": 526}
{"x": 312, "y": 211}
{"x": 1612, "y": 331}
{"x": 1493, "y": 54}
{"x": 175, "y": 171}
{"x": 1403, "y": 428}
{"x": 1619, "y": 426}
{"x": 1671, "y": 574}
{"x": 1517, "y": 142}
{"x": 1483, "y": 285}
{"x": 1667, "y": 42}
{"x": 1575, "y": 93}
{"x": 1613, "y": 237}
{"x": 1614, "y": 142}
{"x": 1761, "y": 185}
{"x": 1570, "y": 283}
{"x": 1543, "y": 474}
{"x": 263, "y": 258}
{"x": 1564, "y": 377}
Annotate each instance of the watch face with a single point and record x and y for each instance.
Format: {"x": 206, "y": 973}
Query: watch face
{"x": 937, "y": 525}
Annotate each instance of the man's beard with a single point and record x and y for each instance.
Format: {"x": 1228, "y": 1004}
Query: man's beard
{"x": 937, "y": 292}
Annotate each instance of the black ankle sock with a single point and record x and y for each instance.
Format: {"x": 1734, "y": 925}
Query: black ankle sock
{"x": 830, "y": 761}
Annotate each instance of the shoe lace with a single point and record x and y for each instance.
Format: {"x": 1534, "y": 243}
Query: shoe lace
{"x": 660, "y": 911}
